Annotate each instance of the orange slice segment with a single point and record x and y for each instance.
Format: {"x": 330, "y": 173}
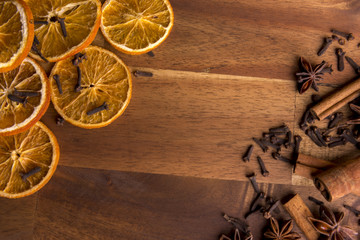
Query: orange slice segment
{"x": 105, "y": 82}
{"x": 24, "y": 97}
{"x": 136, "y": 26}
{"x": 16, "y": 33}
{"x": 63, "y": 28}
{"x": 27, "y": 161}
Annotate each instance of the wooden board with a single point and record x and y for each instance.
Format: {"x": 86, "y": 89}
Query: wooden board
{"x": 102, "y": 204}
{"x": 171, "y": 165}
{"x": 186, "y": 124}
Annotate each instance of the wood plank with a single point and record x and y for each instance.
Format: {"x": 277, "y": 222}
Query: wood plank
{"x": 17, "y": 217}
{"x": 251, "y": 38}
{"x": 186, "y": 124}
{"x": 101, "y": 204}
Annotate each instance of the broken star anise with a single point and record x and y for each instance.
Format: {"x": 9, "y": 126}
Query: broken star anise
{"x": 236, "y": 236}
{"x": 329, "y": 225}
{"x": 310, "y": 75}
{"x": 285, "y": 233}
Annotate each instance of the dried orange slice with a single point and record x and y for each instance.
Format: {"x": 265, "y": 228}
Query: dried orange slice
{"x": 24, "y": 97}
{"x": 63, "y": 28}
{"x": 16, "y": 33}
{"x": 92, "y": 89}
{"x": 27, "y": 161}
{"x": 136, "y": 26}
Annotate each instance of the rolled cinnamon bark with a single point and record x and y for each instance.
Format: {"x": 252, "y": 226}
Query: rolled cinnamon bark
{"x": 339, "y": 181}
{"x": 338, "y": 99}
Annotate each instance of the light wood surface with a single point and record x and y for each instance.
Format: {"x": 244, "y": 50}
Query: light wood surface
{"x": 171, "y": 165}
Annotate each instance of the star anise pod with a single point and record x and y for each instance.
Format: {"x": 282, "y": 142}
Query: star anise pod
{"x": 309, "y": 75}
{"x": 329, "y": 225}
{"x": 356, "y": 109}
{"x": 285, "y": 233}
{"x": 236, "y": 236}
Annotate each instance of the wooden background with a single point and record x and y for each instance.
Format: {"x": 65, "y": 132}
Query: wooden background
{"x": 171, "y": 165}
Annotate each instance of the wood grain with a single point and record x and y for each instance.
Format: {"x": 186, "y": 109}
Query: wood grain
{"x": 17, "y": 217}
{"x": 102, "y": 204}
{"x": 186, "y": 124}
{"x": 253, "y": 38}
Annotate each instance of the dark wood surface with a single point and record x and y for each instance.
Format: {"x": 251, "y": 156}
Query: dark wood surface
{"x": 171, "y": 165}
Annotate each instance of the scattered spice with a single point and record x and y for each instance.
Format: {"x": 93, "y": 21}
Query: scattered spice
{"x": 353, "y": 210}
{"x": 151, "y": 53}
{"x": 104, "y": 106}
{"x": 275, "y": 233}
{"x": 353, "y": 64}
{"x": 24, "y": 176}
{"x": 240, "y": 225}
{"x": 252, "y": 179}
{"x": 37, "y": 51}
{"x": 316, "y": 201}
{"x": 264, "y": 172}
{"x": 58, "y": 84}
{"x": 325, "y": 46}
{"x": 248, "y": 153}
{"x": 347, "y": 36}
{"x": 329, "y": 225}
{"x": 309, "y": 76}
{"x": 267, "y": 213}
{"x": 78, "y": 83}
{"x": 138, "y": 73}
{"x": 26, "y": 93}
{"x": 341, "y": 41}
{"x": 17, "y": 99}
{"x": 62, "y": 25}
{"x": 340, "y": 55}
{"x": 60, "y": 121}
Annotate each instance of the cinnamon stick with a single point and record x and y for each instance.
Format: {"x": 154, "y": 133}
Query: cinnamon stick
{"x": 308, "y": 166}
{"x": 340, "y": 180}
{"x": 337, "y": 100}
{"x": 300, "y": 213}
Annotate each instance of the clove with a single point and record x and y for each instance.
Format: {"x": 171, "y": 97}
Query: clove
{"x": 316, "y": 201}
{"x": 78, "y": 58}
{"x": 318, "y": 135}
{"x": 252, "y": 179}
{"x": 62, "y": 25}
{"x": 278, "y": 156}
{"x": 138, "y": 73}
{"x": 17, "y": 99}
{"x": 353, "y": 210}
{"x": 256, "y": 201}
{"x": 287, "y": 143}
{"x": 295, "y": 154}
{"x": 347, "y": 36}
{"x": 353, "y": 64}
{"x": 335, "y": 119}
{"x": 60, "y": 121}
{"x": 341, "y": 41}
{"x": 37, "y": 51}
{"x": 267, "y": 213}
{"x": 58, "y": 84}
{"x": 325, "y": 46}
{"x": 26, "y": 93}
{"x": 247, "y": 156}
{"x": 261, "y": 144}
{"x": 340, "y": 54}
{"x": 151, "y": 54}
{"x": 24, "y": 176}
{"x": 78, "y": 83}
{"x": 264, "y": 171}
{"x": 310, "y": 132}
{"x": 104, "y": 106}
{"x": 280, "y": 130}
{"x": 337, "y": 143}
